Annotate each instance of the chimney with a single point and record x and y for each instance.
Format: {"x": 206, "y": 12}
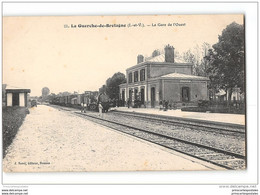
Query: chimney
{"x": 140, "y": 59}
{"x": 169, "y": 53}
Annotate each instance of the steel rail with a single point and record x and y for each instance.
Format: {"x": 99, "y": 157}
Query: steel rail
{"x": 178, "y": 121}
{"x": 238, "y": 156}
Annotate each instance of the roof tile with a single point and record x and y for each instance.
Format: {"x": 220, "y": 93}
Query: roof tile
{"x": 161, "y": 58}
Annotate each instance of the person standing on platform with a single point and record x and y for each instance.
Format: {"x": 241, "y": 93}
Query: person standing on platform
{"x": 166, "y": 105}
{"x": 100, "y": 108}
{"x": 161, "y": 105}
{"x": 85, "y": 107}
{"x": 82, "y": 107}
{"x": 128, "y": 103}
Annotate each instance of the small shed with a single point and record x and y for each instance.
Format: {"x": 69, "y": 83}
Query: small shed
{"x": 16, "y": 96}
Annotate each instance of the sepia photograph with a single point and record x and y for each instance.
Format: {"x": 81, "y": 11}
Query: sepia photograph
{"x": 124, "y": 93}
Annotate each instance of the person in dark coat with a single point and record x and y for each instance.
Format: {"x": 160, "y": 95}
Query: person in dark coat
{"x": 128, "y": 103}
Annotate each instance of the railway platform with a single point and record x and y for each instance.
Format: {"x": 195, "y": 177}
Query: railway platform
{"x": 238, "y": 119}
{"x": 52, "y": 139}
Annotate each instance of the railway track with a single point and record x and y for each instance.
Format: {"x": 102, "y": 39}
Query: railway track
{"x": 193, "y": 123}
{"x": 221, "y": 128}
{"x": 219, "y": 157}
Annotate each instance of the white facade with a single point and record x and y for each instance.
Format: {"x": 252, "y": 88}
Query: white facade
{"x": 9, "y": 99}
{"x": 17, "y": 97}
{"x": 21, "y": 99}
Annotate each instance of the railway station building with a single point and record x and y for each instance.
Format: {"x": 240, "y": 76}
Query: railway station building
{"x": 163, "y": 77}
{"x": 16, "y": 96}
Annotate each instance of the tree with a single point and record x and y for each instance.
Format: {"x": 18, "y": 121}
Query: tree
{"x": 155, "y": 53}
{"x": 196, "y": 57}
{"x": 112, "y": 85}
{"x": 102, "y": 89}
{"x": 188, "y": 56}
{"x": 45, "y": 91}
{"x": 226, "y": 60}
{"x": 204, "y": 63}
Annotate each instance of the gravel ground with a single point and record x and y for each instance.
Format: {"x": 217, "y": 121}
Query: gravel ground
{"x": 56, "y": 140}
{"x": 178, "y": 146}
{"x": 229, "y": 143}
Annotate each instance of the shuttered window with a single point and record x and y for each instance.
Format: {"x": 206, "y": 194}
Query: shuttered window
{"x": 136, "y": 76}
{"x": 130, "y": 78}
{"x": 142, "y": 75}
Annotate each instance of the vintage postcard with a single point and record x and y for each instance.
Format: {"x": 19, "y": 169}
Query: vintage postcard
{"x": 124, "y": 93}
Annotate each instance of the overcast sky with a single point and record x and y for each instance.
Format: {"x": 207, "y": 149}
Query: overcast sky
{"x": 39, "y": 52}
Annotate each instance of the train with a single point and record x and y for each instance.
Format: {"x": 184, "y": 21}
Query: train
{"x": 90, "y": 99}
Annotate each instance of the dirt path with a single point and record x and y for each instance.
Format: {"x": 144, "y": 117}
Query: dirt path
{"x": 56, "y": 140}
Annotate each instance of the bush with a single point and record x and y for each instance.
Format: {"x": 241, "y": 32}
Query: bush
{"x": 220, "y": 109}
{"x": 12, "y": 120}
{"x": 194, "y": 109}
{"x": 203, "y": 103}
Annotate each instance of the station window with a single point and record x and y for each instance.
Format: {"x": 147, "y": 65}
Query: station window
{"x": 142, "y": 75}
{"x": 136, "y": 76}
{"x": 130, "y": 78}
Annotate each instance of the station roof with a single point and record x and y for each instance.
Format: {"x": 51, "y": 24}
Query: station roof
{"x": 183, "y": 76}
{"x": 161, "y": 58}
{"x": 16, "y": 89}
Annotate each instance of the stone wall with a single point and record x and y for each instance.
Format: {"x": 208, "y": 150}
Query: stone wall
{"x": 160, "y": 70}
{"x": 199, "y": 91}
{"x": 172, "y": 90}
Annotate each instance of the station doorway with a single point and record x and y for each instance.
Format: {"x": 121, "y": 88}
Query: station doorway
{"x": 136, "y": 94}
{"x": 130, "y": 96}
{"x": 185, "y": 94}
{"x": 15, "y": 99}
{"x": 142, "y": 96}
{"x": 153, "y": 97}
{"x": 123, "y": 98}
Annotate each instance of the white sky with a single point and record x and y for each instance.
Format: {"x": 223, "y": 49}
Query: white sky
{"x": 39, "y": 51}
